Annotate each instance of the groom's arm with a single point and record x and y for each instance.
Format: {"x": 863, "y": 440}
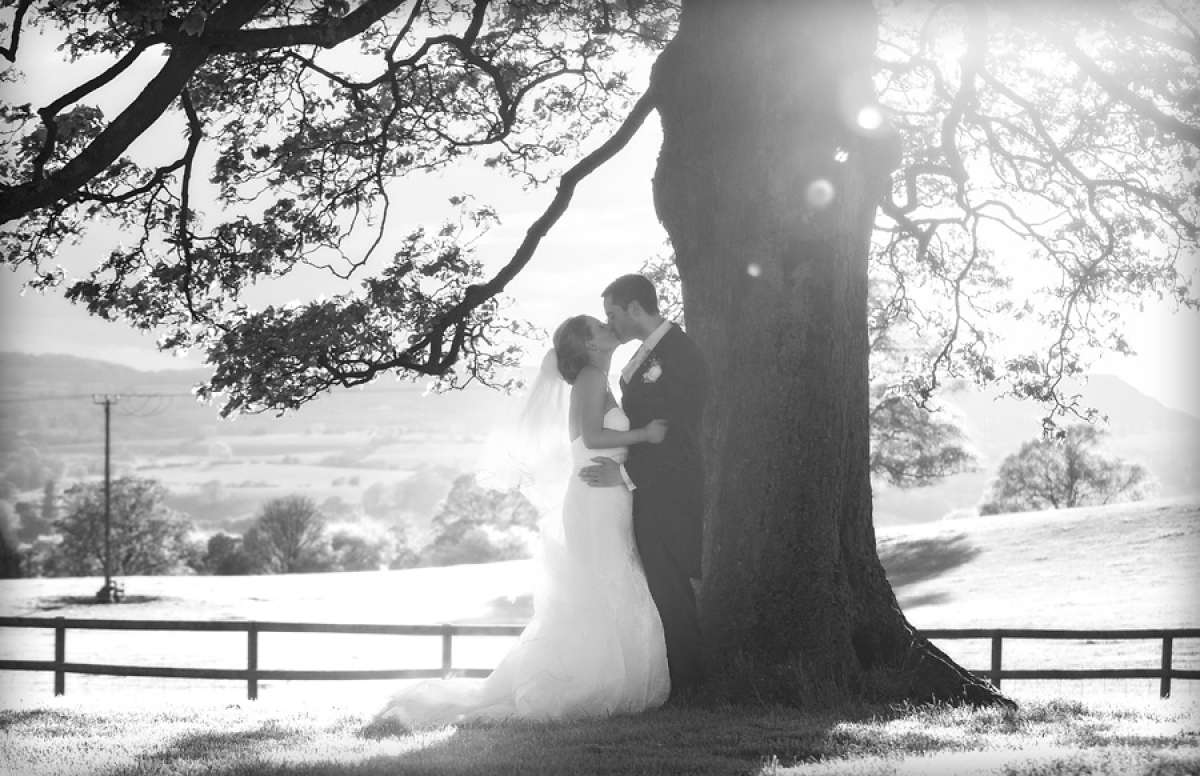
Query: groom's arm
{"x": 684, "y": 389}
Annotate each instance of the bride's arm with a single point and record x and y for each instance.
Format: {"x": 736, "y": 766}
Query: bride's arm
{"x": 587, "y": 394}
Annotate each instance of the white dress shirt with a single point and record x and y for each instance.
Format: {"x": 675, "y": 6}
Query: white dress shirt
{"x": 644, "y": 350}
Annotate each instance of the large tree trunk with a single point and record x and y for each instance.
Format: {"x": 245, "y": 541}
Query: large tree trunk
{"x": 768, "y": 189}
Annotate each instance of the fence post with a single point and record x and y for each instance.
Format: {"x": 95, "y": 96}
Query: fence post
{"x": 60, "y": 657}
{"x": 447, "y": 650}
{"x": 997, "y": 640}
{"x": 1164, "y": 684}
{"x": 252, "y": 661}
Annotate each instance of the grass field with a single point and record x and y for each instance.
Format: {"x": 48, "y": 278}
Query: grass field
{"x": 1040, "y": 739}
{"x": 1126, "y": 566}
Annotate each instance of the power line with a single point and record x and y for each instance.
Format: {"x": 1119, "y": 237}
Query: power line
{"x": 78, "y": 396}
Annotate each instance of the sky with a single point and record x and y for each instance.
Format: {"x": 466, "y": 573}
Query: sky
{"x": 610, "y": 229}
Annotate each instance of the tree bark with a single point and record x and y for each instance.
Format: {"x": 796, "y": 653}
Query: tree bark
{"x": 768, "y": 185}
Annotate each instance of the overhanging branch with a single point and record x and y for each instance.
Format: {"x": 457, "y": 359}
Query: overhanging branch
{"x": 1168, "y": 124}
{"x": 325, "y": 35}
{"x": 9, "y": 52}
{"x": 477, "y": 295}
{"x": 186, "y": 56}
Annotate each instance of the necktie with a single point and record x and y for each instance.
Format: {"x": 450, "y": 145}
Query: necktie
{"x": 635, "y": 362}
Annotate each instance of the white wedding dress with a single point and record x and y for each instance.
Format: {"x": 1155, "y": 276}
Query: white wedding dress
{"x": 595, "y": 644}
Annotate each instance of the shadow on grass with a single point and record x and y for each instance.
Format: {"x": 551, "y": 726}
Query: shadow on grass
{"x": 667, "y": 741}
{"x": 68, "y": 601}
{"x": 14, "y": 718}
{"x": 748, "y": 739}
{"x": 909, "y": 562}
{"x": 923, "y": 599}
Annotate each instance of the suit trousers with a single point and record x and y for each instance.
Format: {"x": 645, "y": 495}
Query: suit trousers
{"x": 656, "y": 511}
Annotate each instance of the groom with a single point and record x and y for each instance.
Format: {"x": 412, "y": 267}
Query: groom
{"x": 666, "y": 379}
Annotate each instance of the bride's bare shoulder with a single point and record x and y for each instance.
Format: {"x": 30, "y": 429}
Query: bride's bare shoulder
{"x": 589, "y": 377}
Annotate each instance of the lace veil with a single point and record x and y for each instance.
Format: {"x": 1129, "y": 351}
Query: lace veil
{"x": 530, "y": 449}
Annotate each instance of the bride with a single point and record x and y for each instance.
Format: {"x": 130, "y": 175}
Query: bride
{"x": 595, "y": 643}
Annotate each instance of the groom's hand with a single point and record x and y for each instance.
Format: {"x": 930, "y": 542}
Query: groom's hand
{"x": 604, "y": 473}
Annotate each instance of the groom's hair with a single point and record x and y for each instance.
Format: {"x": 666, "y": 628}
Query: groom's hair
{"x": 633, "y": 288}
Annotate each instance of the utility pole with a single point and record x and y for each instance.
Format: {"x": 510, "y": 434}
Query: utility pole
{"x": 110, "y": 593}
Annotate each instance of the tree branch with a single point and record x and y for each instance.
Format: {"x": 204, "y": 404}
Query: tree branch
{"x": 477, "y": 295}
{"x": 10, "y": 52}
{"x": 325, "y": 35}
{"x": 1168, "y": 124}
{"x": 195, "y": 133}
{"x": 75, "y": 95}
{"x": 1128, "y": 23}
{"x": 186, "y": 56}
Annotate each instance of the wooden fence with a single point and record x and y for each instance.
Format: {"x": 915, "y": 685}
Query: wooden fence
{"x": 997, "y": 674}
{"x": 252, "y": 674}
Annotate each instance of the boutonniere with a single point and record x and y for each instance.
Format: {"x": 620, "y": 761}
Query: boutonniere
{"x": 653, "y": 371}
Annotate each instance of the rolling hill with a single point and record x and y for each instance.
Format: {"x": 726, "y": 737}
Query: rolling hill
{"x": 349, "y": 425}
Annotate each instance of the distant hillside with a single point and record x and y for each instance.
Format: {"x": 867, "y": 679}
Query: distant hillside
{"x": 52, "y": 374}
{"x": 1167, "y": 441}
{"x": 48, "y": 399}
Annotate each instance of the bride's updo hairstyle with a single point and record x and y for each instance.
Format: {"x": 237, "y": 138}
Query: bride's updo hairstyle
{"x": 570, "y": 347}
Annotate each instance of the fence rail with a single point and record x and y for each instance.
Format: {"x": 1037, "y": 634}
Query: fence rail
{"x": 252, "y": 674}
{"x": 996, "y": 673}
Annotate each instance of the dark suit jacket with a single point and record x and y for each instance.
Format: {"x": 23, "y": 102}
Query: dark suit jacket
{"x": 672, "y": 384}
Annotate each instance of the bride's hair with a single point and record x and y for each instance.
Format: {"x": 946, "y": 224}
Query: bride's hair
{"x": 570, "y": 347}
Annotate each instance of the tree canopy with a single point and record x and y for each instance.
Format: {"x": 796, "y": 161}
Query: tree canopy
{"x": 1071, "y": 471}
{"x": 147, "y": 537}
{"x": 287, "y": 537}
{"x": 1048, "y": 173}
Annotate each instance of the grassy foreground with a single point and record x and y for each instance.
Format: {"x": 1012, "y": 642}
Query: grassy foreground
{"x": 1040, "y": 739}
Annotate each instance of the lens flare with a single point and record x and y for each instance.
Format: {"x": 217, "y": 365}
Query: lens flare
{"x": 820, "y": 193}
{"x": 870, "y": 118}
{"x": 753, "y": 270}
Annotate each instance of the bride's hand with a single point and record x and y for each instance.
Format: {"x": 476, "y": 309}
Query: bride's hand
{"x": 656, "y": 431}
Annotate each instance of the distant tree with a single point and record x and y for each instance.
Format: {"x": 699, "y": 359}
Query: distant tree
{"x": 912, "y": 446}
{"x": 335, "y": 506}
{"x": 213, "y": 492}
{"x": 147, "y": 537}
{"x": 10, "y": 555}
{"x": 50, "y": 502}
{"x": 226, "y": 556}
{"x": 288, "y": 536}
{"x": 478, "y": 525}
{"x": 355, "y": 552}
{"x": 26, "y": 468}
{"x": 404, "y": 552}
{"x": 1069, "y": 471}
{"x": 376, "y": 500}
{"x": 31, "y": 524}
{"x": 40, "y": 558}
{"x": 417, "y": 494}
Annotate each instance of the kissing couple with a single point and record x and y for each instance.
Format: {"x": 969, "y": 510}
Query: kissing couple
{"x": 615, "y": 628}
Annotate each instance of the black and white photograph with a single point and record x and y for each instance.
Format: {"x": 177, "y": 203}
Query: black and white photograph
{"x": 541, "y": 387}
